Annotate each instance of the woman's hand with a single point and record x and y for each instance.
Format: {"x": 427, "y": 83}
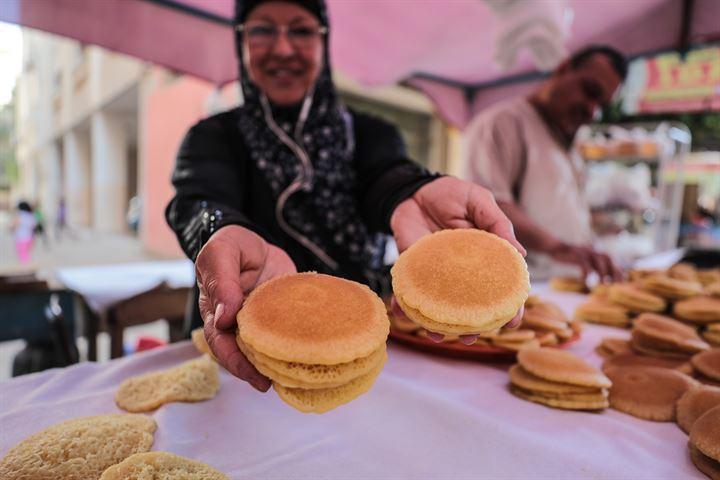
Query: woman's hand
{"x": 231, "y": 264}
{"x": 449, "y": 202}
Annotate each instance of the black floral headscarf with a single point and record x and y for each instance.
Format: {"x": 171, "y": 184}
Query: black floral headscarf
{"x": 317, "y": 204}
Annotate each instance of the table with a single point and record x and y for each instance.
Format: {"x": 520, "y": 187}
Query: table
{"x": 104, "y": 285}
{"x": 426, "y": 417}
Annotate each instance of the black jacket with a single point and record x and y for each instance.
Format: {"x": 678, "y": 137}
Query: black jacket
{"x": 217, "y": 184}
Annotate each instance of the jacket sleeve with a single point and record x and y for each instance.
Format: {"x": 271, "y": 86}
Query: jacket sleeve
{"x": 209, "y": 179}
{"x": 386, "y": 176}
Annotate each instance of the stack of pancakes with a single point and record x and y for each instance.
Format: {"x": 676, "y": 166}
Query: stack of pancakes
{"x": 320, "y": 339}
{"x": 543, "y": 324}
{"x": 704, "y": 443}
{"x": 569, "y": 284}
{"x": 460, "y": 282}
{"x": 660, "y": 336}
{"x": 648, "y": 392}
{"x": 706, "y": 366}
{"x": 559, "y": 379}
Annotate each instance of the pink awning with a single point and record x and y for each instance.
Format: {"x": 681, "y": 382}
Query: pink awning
{"x": 445, "y": 47}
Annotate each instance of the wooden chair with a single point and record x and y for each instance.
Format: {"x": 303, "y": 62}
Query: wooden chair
{"x": 161, "y": 302}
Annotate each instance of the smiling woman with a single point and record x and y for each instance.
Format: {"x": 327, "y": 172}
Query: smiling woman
{"x": 296, "y": 180}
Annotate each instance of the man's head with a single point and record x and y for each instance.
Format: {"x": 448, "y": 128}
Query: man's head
{"x": 580, "y": 85}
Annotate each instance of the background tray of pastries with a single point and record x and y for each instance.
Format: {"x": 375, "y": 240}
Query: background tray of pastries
{"x": 543, "y": 324}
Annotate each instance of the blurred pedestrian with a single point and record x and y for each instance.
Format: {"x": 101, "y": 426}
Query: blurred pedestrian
{"x": 23, "y": 229}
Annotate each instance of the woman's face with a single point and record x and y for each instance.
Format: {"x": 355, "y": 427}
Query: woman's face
{"x": 282, "y": 50}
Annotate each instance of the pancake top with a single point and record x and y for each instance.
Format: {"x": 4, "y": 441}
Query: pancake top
{"x": 699, "y": 305}
{"x": 313, "y": 318}
{"x": 708, "y": 362}
{"x": 705, "y": 433}
{"x": 630, "y": 290}
{"x": 561, "y": 366}
{"x": 462, "y": 276}
{"x": 659, "y": 326}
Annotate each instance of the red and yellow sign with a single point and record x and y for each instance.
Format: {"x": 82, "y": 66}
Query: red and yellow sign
{"x": 674, "y": 84}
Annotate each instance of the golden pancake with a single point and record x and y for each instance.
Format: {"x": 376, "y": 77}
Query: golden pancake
{"x": 634, "y": 360}
{"x": 705, "y": 464}
{"x": 200, "y": 343}
{"x": 705, "y": 433}
{"x": 462, "y": 277}
{"x": 712, "y": 290}
{"x": 641, "y": 345}
{"x": 694, "y": 403}
{"x": 708, "y": 363}
{"x": 683, "y": 271}
{"x": 403, "y": 324}
{"x": 313, "y": 319}
{"x": 671, "y": 288}
{"x": 713, "y": 338}
{"x": 635, "y": 299}
{"x": 550, "y": 310}
{"x": 532, "y": 300}
{"x": 610, "y": 347}
{"x": 709, "y": 276}
{"x": 603, "y": 312}
{"x": 444, "y": 328}
{"x": 698, "y": 309}
{"x": 191, "y": 381}
{"x": 527, "y": 381}
{"x": 561, "y": 366}
{"x": 303, "y": 375}
{"x": 161, "y": 466}
{"x": 600, "y": 290}
{"x": 518, "y": 335}
{"x": 637, "y": 274}
{"x": 540, "y": 320}
{"x": 648, "y": 392}
{"x": 78, "y": 449}
{"x": 517, "y": 346}
{"x": 595, "y": 402}
{"x": 325, "y": 399}
{"x": 568, "y": 284}
{"x": 547, "y": 338}
{"x": 665, "y": 333}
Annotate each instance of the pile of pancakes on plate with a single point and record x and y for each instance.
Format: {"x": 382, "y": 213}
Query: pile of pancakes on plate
{"x": 683, "y": 292}
{"x": 466, "y": 281}
{"x": 320, "y": 339}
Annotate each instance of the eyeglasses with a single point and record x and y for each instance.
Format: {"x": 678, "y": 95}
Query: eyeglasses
{"x": 264, "y": 35}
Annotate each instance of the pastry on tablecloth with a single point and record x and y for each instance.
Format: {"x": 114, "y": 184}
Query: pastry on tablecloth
{"x": 602, "y": 311}
{"x": 559, "y": 379}
{"x": 320, "y": 339}
{"x": 665, "y": 335}
{"x": 79, "y": 449}
{"x": 694, "y": 403}
{"x": 635, "y": 360}
{"x": 569, "y": 284}
{"x": 635, "y": 299}
{"x": 699, "y": 310}
{"x": 200, "y": 343}
{"x": 648, "y": 392}
{"x": 712, "y": 334}
{"x": 671, "y": 288}
{"x": 610, "y": 347}
{"x": 705, "y": 443}
{"x": 683, "y": 271}
{"x": 707, "y": 365}
{"x": 192, "y": 381}
{"x": 462, "y": 281}
{"x": 161, "y": 466}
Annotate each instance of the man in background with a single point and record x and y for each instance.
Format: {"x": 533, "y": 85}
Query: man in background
{"x": 522, "y": 151}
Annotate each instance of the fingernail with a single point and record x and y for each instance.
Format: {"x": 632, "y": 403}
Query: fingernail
{"x": 435, "y": 337}
{"x": 219, "y": 310}
{"x": 468, "y": 339}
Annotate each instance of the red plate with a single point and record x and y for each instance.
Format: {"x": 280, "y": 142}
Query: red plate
{"x": 485, "y": 353}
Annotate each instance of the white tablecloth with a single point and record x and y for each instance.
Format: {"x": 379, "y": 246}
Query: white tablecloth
{"x": 105, "y": 285}
{"x": 426, "y": 417}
